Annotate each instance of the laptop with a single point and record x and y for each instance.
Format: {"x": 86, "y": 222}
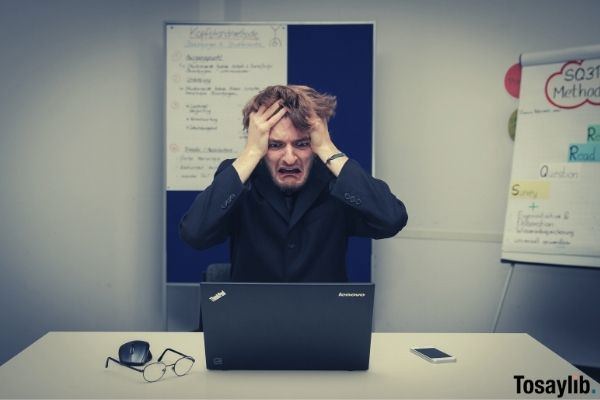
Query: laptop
{"x": 287, "y": 326}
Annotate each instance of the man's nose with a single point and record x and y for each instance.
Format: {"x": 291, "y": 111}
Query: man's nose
{"x": 289, "y": 157}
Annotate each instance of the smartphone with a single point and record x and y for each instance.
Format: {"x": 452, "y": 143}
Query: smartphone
{"x": 432, "y": 354}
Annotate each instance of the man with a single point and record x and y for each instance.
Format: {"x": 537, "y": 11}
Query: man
{"x": 291, "y": 199}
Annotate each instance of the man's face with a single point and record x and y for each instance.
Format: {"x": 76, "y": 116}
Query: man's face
{"x": 289, "y": 156}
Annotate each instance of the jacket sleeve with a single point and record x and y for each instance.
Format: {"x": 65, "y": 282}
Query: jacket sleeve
{"x": 373, "y": 210}
{"x": 208, "y": 221}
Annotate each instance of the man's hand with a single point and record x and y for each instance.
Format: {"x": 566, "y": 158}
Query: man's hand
{"x": 259, "y": 127}
{"x": 320, "y": 141}
{"x": 323, "y": 147}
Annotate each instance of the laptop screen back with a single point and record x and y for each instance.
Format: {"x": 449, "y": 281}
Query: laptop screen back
{"x": 273, "y": 326}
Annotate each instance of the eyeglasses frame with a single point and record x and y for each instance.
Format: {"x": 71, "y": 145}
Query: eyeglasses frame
{"x": 159, "y": 360}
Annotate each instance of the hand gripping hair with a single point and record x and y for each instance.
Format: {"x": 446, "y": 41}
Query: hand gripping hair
{"x": 302, "y": 103}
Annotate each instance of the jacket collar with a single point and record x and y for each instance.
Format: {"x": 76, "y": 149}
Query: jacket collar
{"x": 318, "y": 179}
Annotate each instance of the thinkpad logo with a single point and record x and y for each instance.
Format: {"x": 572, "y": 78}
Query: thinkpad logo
{"x": 217, "y": 296}
{"x": 351, "y": 294}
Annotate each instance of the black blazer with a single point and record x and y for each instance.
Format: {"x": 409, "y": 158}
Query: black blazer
{"x": 269, "y": 245}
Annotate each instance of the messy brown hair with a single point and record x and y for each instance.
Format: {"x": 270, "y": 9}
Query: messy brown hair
{"x": 301, "y": 102}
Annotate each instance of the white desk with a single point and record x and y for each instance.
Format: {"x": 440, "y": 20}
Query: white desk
{"x": 71, "y": 364}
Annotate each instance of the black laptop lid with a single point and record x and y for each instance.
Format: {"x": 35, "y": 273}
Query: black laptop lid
{"x": 273, "y": 326}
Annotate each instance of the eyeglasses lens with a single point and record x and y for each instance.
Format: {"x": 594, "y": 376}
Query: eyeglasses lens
{"x": 154, "y": 371}
{"x": 183, "y": 366}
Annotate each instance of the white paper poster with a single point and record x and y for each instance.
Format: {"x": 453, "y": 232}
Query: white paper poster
{"x": 211, "y": 73}
{"x": 553, "y": 212}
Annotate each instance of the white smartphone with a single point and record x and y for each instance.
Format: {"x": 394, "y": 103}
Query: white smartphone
{"x": 432, "y": 354}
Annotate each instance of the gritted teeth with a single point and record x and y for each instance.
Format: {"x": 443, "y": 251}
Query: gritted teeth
{"x": 289, "y": 170}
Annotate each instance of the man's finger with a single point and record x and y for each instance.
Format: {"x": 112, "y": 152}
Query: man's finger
{"x": 273, "y": 109}
{"x": 277, "y": 116}
{"x": 261, "y": 110}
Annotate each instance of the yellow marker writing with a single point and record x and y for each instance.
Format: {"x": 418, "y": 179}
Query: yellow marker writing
{"x": 530, "y": 189}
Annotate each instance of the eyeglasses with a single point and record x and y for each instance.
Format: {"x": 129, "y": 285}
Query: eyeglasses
{"x": 153, "y": 371}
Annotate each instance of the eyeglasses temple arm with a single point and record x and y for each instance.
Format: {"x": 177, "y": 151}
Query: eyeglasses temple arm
{"x": 120, "y": 363}
{"x": 174, "y": 351}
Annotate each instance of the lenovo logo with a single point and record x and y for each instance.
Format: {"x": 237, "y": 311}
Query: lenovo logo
{"x": 354, "y": 294}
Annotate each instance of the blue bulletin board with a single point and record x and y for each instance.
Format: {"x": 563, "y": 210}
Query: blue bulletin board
{"x": 332, "y": 58}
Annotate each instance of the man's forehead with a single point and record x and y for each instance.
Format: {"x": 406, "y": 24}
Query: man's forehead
{"x": 288, "y": 138}
{"x": 285, "y": 131}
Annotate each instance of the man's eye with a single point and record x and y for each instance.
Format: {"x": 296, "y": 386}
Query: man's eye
{"x": 274, "y": 145}
{"x": 303, "y": 144}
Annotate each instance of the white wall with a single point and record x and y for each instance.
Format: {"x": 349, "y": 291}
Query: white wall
{"x": 81, "y": 163}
